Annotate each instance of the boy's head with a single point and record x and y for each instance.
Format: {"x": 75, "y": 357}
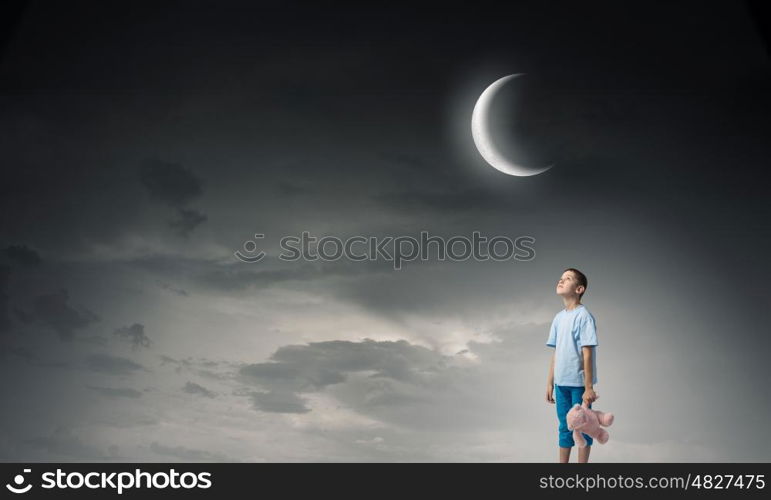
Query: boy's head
{"x": 572, "y": 282}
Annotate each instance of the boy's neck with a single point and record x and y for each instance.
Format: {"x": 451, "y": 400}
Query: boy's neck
{"x": 571, "y": 302}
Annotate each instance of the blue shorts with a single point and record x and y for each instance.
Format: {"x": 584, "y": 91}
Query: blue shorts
{"x": 566, "y": 397}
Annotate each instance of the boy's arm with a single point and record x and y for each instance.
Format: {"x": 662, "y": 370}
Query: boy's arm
{"x": 550, "y": 381}
{"x": 589, "y": 394}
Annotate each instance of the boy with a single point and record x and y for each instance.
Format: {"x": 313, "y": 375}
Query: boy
{"x": 573, "y": 370}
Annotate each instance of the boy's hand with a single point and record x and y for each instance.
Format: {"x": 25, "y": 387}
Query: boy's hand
{"x": 590, "y": 396}
{"x": 550, "y": 394}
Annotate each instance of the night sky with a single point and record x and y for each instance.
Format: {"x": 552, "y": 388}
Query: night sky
{"x": 141, "y": 146}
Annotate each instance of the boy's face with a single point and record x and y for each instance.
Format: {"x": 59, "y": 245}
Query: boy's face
{"x": 567, "y": 285}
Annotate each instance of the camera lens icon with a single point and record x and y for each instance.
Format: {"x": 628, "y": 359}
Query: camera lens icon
{"x": 18, "y": 480}
{"x": 248, "y": 255}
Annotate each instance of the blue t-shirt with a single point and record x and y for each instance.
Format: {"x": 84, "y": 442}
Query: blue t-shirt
{"x": 570, "y": 331}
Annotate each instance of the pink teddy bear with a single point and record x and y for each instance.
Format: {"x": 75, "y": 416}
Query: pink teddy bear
{"x": 582, "y": 419}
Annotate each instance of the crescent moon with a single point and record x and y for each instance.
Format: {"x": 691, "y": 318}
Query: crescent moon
{"x": 480, "y": 131}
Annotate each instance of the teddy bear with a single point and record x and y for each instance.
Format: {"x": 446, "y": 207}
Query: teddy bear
{"x": 583, "y": 420}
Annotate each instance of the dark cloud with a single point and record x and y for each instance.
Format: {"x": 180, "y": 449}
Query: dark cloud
{"x": 290, "y": 376}
{"x": 279, "y": 402}
{"x": 170, "y": 183}
{"x": 111, "y": 365}
{"x": 113, "y": 392}
{"x": 186, "y": 221}
{"x": 54, "y": 311}
{"x": 175, "y": 186}
{"x": 401, "y": 383}
{"x": 312, "y": 367}
{"x": 23, "y": 255}
{"x": 135, "y": 334}
{"x": 324, "y": 362}
{"x": 193, "y": 388}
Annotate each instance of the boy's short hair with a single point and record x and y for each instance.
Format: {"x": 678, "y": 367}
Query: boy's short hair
{"x": 581, "y": 277}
